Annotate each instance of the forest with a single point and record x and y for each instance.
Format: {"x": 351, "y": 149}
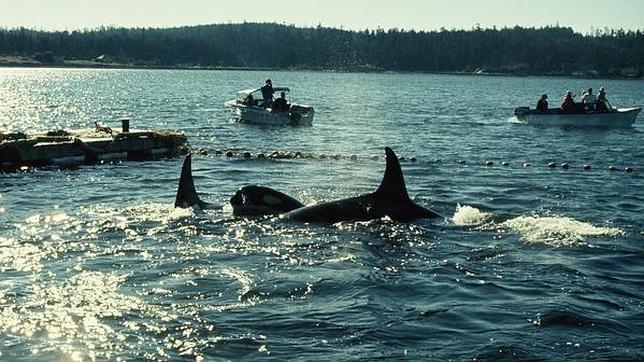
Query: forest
{"x": 552, "y": 50}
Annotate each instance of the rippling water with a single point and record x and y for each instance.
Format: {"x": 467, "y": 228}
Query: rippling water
{"x": 532, "y": 263}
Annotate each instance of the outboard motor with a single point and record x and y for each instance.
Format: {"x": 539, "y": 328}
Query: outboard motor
{"x": 521, "y": 110}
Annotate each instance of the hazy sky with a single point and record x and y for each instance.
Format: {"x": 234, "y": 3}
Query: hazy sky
{"x": 582, "y": 15}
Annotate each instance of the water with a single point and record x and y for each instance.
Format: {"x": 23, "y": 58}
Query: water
{"x": 532, "y": 263}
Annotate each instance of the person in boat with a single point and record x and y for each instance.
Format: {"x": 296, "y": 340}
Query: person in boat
{"x": 248, "y": 100}
{"x": 568, "y": 104}
{"x": 589, "y": 100}
{"x": 602, "y": 105}
{"x": 267, "y": 93}
{"x": 542, "y": 104}
{"x": 280, "y": 104}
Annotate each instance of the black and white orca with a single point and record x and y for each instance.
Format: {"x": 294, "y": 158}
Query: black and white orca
{"x": 389, "y": 200}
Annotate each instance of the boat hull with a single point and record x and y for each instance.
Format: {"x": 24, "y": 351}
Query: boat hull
{"x": 297, "y": 116}
{"x": 622, "y": 117}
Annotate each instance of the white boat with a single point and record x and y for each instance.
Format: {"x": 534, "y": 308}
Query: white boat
{"x": 612, "y": 117}
{"x": 249, "y": 109}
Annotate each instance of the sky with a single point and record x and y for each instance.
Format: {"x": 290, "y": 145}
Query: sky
{"x": 582, "y": 15}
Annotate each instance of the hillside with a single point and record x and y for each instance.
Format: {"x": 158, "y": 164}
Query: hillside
{"x": 541, "y": 51}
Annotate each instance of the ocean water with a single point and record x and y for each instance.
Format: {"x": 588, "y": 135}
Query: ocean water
{"x": 530, "y": 263}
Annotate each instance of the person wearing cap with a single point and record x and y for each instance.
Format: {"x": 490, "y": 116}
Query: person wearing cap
{"x": 589, "y": 100}
{"x": 542, "y": 104}
{"x": 267, "y": 93}
{"x": 568, "y": 104}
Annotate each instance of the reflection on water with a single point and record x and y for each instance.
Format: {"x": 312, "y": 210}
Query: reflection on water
{"x": 96, "y": 264}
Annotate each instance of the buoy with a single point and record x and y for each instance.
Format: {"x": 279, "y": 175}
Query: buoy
{"x": 462, "y": 162}
{"x": 200, "y": 151}
{"x": 247, "y": 154}
{"x": 322, "y": 156}
{"x": 565, "y": 166}
{"x": 505, "y": 163}
{"x": 489, "y": 163}
{"x": 229, "y": 154}
{"x": 219, "y": 152}
{"x": 612, "y": 168}
{"x": 436, "y": 160}
{"x": 298, "y": 154}
{"x": 552, "y": 164}
{"x": 261, "y": 155}
{"x": 586, "y": 167}
{"x": 354, "y": 157}
{"x": 374, "y": 157}
{"x": 412, "y": 159}
{"x": 628, "y": 169}
{"x": 526, "y": 165}
{"x": 402, "y": 159}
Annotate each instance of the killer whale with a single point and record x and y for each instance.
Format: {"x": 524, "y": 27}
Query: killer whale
{"x": 259, "y": 200}
{"x": 390, "y": 199}
{"x": 247, "y": 201}
{"x": 186, "y": 192}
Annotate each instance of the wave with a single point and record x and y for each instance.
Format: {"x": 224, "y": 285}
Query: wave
{"x": 547, "y": 229}
{"x": 469, "y": 215}
{"x": 556, "y": 230}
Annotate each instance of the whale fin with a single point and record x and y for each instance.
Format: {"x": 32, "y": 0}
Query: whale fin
{"x": 392, "y": 186}
{"x": 186, "y": 192}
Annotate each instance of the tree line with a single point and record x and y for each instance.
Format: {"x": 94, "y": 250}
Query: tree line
{"x": 550, "y": 50}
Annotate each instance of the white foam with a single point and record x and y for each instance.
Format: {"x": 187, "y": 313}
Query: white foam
{"x": 556, "y": 230}
{"x": 469, "y": 215}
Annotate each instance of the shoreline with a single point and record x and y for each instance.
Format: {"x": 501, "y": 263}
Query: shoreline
{"x": 23, "y": 62}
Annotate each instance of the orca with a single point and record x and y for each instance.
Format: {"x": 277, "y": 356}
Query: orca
{"x": 390, "y": 199}
{"x": 247, "y": 201}
{"x": 259, "y": 200}
{"x": 186, "y": 192}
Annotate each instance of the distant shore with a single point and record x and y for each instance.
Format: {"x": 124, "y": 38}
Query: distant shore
{"x": 28, "y": 62}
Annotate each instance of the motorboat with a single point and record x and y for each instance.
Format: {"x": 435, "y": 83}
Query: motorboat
{"x": 608, "y": 117}
{"x": 250, "y": 107}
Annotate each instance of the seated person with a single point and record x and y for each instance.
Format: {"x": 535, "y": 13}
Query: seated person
{"x": 249, "y": 101}
{"x": 589, "y": 100}
{"x": 568, "y": 104}
{"x": 542, "y": 104}
{"x": 602, "y": 100}
{"x": 280, "y": 104}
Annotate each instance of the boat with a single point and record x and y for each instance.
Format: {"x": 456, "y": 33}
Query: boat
{"x": 250, "y": 107}
{"x": 611, "y": 117}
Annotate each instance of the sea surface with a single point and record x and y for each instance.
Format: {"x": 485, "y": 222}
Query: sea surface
{"x": 529, "y": 263}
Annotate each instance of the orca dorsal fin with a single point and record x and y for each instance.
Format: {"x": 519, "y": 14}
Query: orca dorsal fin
{"x": 393, "y": 183}
{"x": 186, "y": 192}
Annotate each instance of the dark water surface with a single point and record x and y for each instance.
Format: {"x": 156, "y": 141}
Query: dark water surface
{"x": 533, "y": 263}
